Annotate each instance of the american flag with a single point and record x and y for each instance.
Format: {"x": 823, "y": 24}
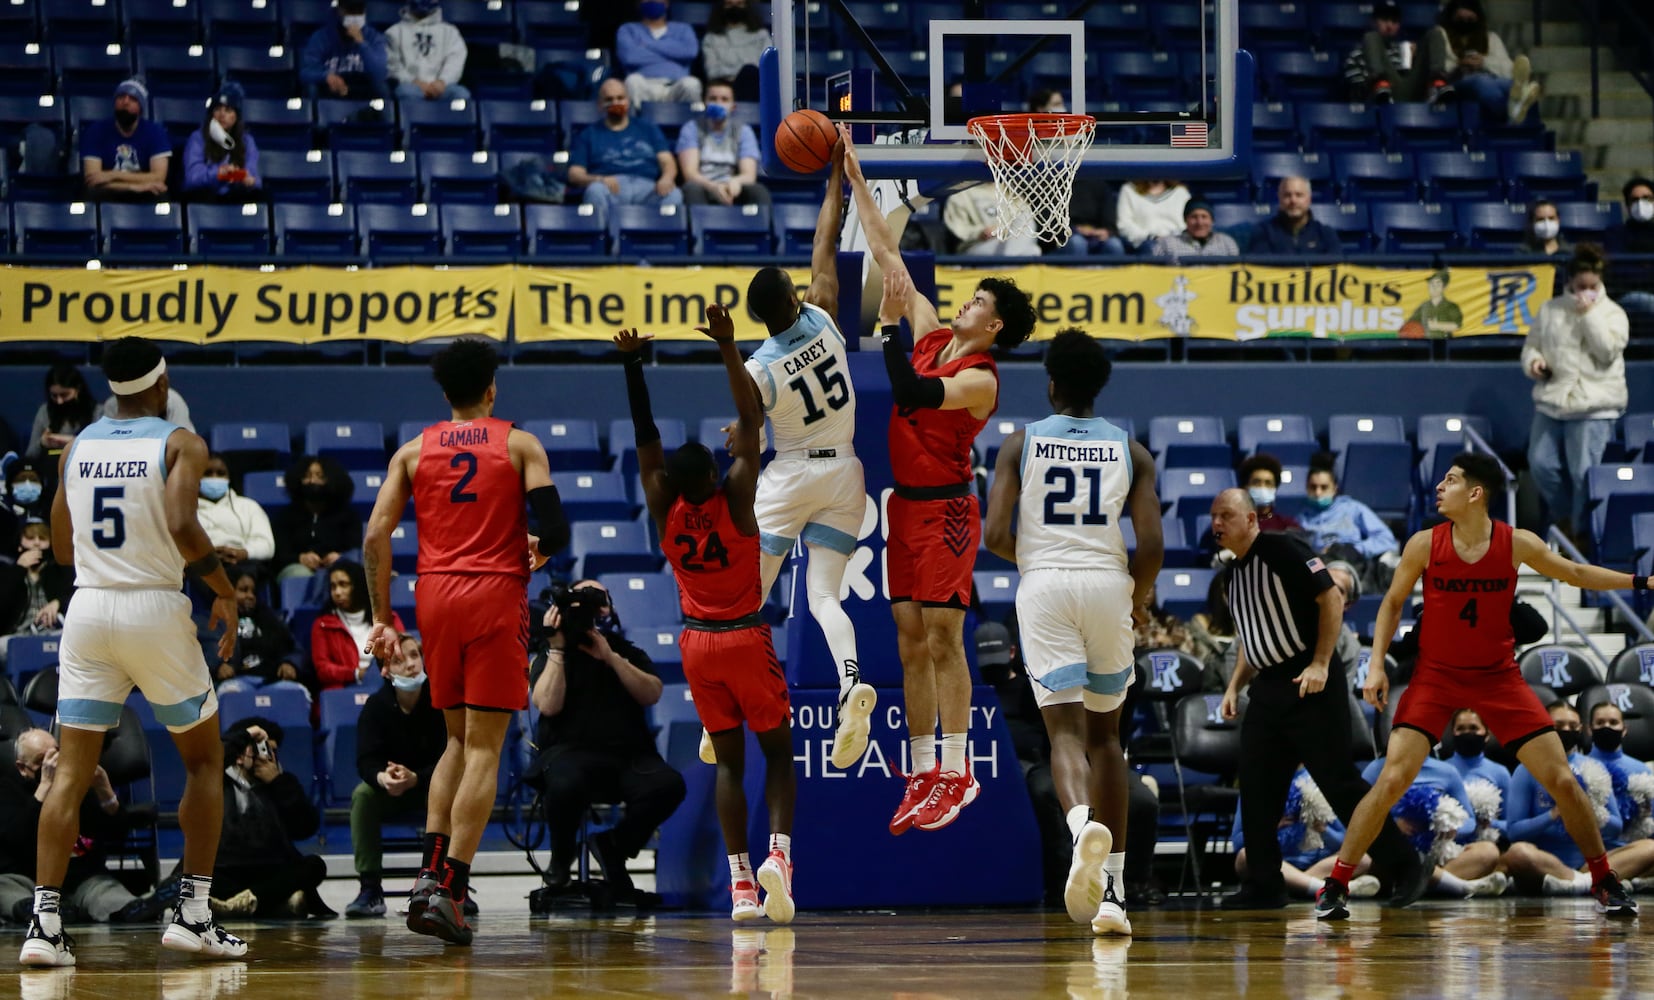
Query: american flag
{"x": 1316, "y": 565}
{"x": 1186, "y": 134}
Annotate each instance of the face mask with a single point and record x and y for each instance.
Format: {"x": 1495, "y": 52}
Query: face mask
{"x": 1322, "y": 502}
{"x": 615, "y": 112}
{"x": 1546, "y": 229}
{"x": 413, "y": 683}
{"x": 1588, "y": 296}
{"x": 1262, "y": 496}
{"x": 125, "y": 119}
{"x": 1608, "y": 740}
{"x": 652, "y": 10}
{"x": 716, "y": 113}
{"x": 214, "y": 487}
{"x": 219, "y": 135}
{"x": 25, "y": 493}
{"x": 354, "y": 20}
{"x": 1571, "y": 739}
{"x": 1469, "y": 744}
{"x": 1643, "y": 209}
{"x": 313, "y": 491}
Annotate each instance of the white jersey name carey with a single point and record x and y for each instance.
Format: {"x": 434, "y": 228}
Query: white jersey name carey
{"x": 1076, "y": 476}
{"x": 803, "y": 380}
{"x": 115, "y": 482}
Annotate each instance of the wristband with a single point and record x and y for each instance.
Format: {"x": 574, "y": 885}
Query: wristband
{"x": 204, "y": 566}
{"x": 1639, "y": 583}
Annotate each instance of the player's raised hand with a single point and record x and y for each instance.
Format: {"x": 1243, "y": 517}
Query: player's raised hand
{"x": 630, "y": 342}
{"x": 846, "y": 148}
{"x": 384, "y": 643}
{"x": 719, "y": 326}
{"x": 1377, "y": 689}
{"x": 898, "y": 289}
{"x": 225, "y": 612}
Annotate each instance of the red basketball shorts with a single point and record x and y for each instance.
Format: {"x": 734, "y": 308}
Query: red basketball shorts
{"x": 734, "y": 677}
{"x": 474, "y": 628}
{"x": 1500, "y": 696}
{"x": 931, "y": 550}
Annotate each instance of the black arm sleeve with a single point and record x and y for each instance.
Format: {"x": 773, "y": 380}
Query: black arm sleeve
{"x": 550, "y": 523}
{"x": 907, "y": 387}
{"x": 637, "y": 396}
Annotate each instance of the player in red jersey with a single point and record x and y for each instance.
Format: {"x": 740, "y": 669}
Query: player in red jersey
{"x": 1467, "y": 660}
{"x": 710, "y": 534}
{"x": 943, "y": 397}
{"x": 470, "y": 477}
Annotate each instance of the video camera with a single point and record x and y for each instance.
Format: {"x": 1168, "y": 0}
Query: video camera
{"x": 578, "y": 609}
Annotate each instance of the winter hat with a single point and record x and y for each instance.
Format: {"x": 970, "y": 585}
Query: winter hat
{"x": 230, "y": 95}
{"x": 135, "y": 89}
{"x": 1196, "y": 205}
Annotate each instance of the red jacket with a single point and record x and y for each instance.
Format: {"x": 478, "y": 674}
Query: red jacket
{"x": 333, "y": 651}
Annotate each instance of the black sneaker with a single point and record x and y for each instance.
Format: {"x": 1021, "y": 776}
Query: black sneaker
{"x": 1383, "y": 96}
{"x": 419, "y": 897}
{"x": 1333, "y": 901}
{"x": 42, "y": 949}
{"x": 205, "y": 938}
{"x": 1250, "y": 897}
{"x": 1409, "y": 884}
{"x": 1440, "y": 93}
{"x": 444, "y": 917}
{"x": 1613, "y": 900}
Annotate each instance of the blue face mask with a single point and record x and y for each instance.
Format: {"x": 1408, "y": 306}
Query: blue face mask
{"x": 1262, "y": 496}
{"x": 214, "y": 487}
{"x": 1322, "y": 502}
{"x": 716, "y": 113}
{"x": 25, "y": 492}
{"x": 652, "y": 10}
{"x": 413, "y": 683}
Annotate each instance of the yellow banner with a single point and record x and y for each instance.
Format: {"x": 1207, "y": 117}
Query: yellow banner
{"x": 214, "y": 305}
{"x": 669, "y": 302}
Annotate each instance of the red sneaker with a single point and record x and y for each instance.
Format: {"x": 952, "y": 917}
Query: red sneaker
{"x": 918, "y": 790}
{"x": 950, "y": 793}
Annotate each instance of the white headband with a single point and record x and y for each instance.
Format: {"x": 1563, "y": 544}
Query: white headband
{"x": 142, "y": 382}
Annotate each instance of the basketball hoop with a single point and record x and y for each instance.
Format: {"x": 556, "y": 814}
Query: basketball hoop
{"x": 1034, "y": 159}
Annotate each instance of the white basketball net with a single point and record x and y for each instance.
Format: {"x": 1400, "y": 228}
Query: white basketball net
{"x": 1034, "y": 159}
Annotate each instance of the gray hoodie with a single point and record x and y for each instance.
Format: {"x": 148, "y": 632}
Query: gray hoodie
{"x": 421, "y": 49}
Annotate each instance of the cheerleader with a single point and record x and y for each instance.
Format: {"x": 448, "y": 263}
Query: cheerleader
{"x": 1633, "y": 788}
{"x": 1310, "y": 835}
{"x": 1437, "y": 816}
{"x": 1486, "y": 781}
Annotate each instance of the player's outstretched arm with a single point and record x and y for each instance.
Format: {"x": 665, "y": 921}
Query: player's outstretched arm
{"x": 651, "y": 456}
{"x": 1003, "y": 497}
{"x": 551, "y": 525}
{"x": 887, "y": 252}
{"x": 1530, "y": 549}
{"x": 186, "y": 458}
{"x": 1415, "y": 556}
{"x": 1144, "y": 504}
{"x": 741, "y": 485}
{"x": 971, "y": 389}
{"x": 823, "y": 290}
{"x": 388, "y": 508}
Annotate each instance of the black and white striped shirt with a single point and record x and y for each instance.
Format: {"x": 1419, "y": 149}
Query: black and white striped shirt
{"x": 1272, "y": 597}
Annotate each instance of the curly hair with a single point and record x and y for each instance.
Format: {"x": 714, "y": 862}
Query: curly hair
{"x": 1014, "y": 309}
{"x": 1077, "y": 366}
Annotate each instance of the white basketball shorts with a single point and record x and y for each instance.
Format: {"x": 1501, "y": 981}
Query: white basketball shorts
{"x": 1077, "y": 636}
{"x": 821, "y": 500}
{"x": 114, "y": 640}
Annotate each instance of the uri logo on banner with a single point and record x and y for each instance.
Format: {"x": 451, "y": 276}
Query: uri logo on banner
{"x": 1507, "y": 300}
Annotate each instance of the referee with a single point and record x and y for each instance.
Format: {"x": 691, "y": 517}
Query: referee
{"x": 1288, "y": 613}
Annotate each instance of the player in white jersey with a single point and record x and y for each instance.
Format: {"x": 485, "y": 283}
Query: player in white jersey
{"x": 813, "y": 489}
{"x": 124, "y": 516}
{"x": 1067, "y": 480}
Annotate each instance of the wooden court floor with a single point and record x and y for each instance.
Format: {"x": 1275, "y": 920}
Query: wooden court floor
{"x": 1482, "y": 949}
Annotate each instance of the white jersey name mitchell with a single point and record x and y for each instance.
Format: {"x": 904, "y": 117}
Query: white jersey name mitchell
{"x": 803, "y": 381}
{"x": 1076, "y": 475}
{"x": 115, "y": 482}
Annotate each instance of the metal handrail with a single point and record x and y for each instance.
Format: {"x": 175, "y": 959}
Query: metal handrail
{"x": 1473, "y": 442}
{"x": 1566, "y": 547}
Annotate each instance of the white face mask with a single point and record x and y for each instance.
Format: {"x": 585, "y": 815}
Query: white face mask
{"x": 1642, "y": 209}
{"x": 355, "y": 20}
{"x": 1546, "y": 229}
{"x": 219, "y": 135}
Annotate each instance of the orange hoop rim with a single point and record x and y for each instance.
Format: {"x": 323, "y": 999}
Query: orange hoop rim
{"x": 1041, "y": 126}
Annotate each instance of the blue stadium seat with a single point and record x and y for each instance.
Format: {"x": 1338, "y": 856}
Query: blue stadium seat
{"x": 354, "y": 444}
{"x": 795, "y": 227}
{"x": 547, "y": 23}
{"x": 1559, "y": 176}
{"x": 569, "y": 444}
{"x": 1290, "y": 437}
{"x": 641, "y": 230}
{"x": 1375, "y": 176}
{"x": 407, "y": 430}
{"x": 731, "y": 229}
{"x": 1298, "y": 75}
{"x": 303, "y": 17}
{"x": 162, "y": 21}
{"x": 1238, "y": 218}
{"x": 460, "y": 178}
{"x": 170, "y": 67}
{"x": 405, "y": 547}
{"x": 994, "y": 433}
{"x": 1380, "y": 474}
{"x": 1617, "y": 494}
{"x": 1352, "y": 221}
{"x": 316, "y": 230}
{"x": 27, "y": 655}
{"x": 1344, "y": 428}
{"x": 366, "y": 491}
{"x": 229, "y": 230}
{"x": 439, "y": 126}
{"x": 485, "y": 24}
{"x": 378, "y": 178}
{"x": 358, "y": 126}
{"x": 26, "y": 69}
{"x": 1448, "y": 428}
{"x": 997, "y": 590}
{"x": 1189, "y": 491}
{"x": 644, "y": 600}
{"x": 521, "y": 126}
{"x": 180, "y": 116}
{"x": 262, "y": 71}
{"x": 601, "y": 547}
{"x": 482, "y": 230}
{"x": 241, "y": 22}
{"x": 576, "y": 116}
{"x": 80, "y": 22}
{"x": 1177, "y": 26}
{"x": 1268, "y": 169}
{"x": 268, "y": 490}
{"x": 1591, "y": 221}
{"x": 1274, "y": 127}
{"x": 1182, "y": 592}
{"x": 288, "y": 708}
{"x": 1460, "y": 175}
{"x": 297, "y": 178}
{"x": 1407, "y": 227}
{"x": 56, "y": 229}
{"x": 399, "y": 230}
{"x": 566, "y": 230}
{"x": 1639, "y": 431}
{"x": 403, "y": 602}
{"x": 341, "y": 709}
{"x": 1189, "y": 441}
{"x": 1339, "y": 27}
{"x": 250, "y": 442}
{"x": 1338, "y": 126}
{"x": 593, "y": 495}
{"x": 130, "y": 230}
{"x": 166, "y": 767}
{"x": 669, "y": 117}
{"x": 20, "y": 22}
{"x": 288, "y": 124}
{"x": 622, "y": 437}
{"x": 1419, "y": 127}
{"x": 1491, "y": 225}
{"x": 1144, "y": 76}
{"x": 90, "y": 69}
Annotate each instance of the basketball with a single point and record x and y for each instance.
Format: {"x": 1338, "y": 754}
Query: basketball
{"x": 804, "y": 142}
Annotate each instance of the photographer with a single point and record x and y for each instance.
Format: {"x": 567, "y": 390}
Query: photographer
{"x": 593, "y": 690}
{"x": 265, "y": 810}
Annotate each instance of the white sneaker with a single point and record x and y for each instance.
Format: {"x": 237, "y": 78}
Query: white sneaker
{"x": 776, "y": 876}
{"x": 1363, "y": 887}
{"x": 1083, "y": 892}
{"x": 854, "y": 712}
{"x": 205, "y": 938}
{"x": 1111, "y": 914}
{"x": 708, "y": 755}
{"x": 1493, "y": 884}
{"x": 1521, "y": 102}
{"x": 42, "y": 949}
{"x": 744, "y": 902}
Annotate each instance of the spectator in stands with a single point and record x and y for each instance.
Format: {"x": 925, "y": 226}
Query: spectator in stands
{"x": 593, "y": 692}
{"x": 425, "y": 56}
{"x": 68, "y": 408}
{"x": 177, "y": 412}
{"x": 1162, "y": 630}
{"x": 339, "y": 636}
{"x": 623, "y": 160}
{"x": 90, "y": 889}
{"x": 1148, "y": 209}
{"x": 972, "y": 216}
{"x": 26, "y": 495}
{"x": 735, "y": 38}
{"x": 266, "y": 809}
{"x": 221, "y": 157}
{"x": 318, "y": 526}
{"x": 1342, "y": 526}
{"x": 265, "y": 653}
{"x": 1575, "y": 356}
{"x": 1544, "y": 236}
{"x": 237, "y": 526}
{"x": 34, "y": 590}
{"x": 1198, "y": 238}
{"x": 1479, "y": 68}
{"x": 717, "y": 158}
{"x": 399, "y": 738}
{"x": 1292, "y": 229}
{"x": 347, "y": 58}
{"x": 1468, "y": 740}
{"x": 1632, "y": 780}
{"x": 1091, "y": 207}
{"x": 1636, "y": 281}
{"x": 1260, "y": 476}
{"x": 125, "y": 158}
{"x": 655, "y": 55}
{"x": 1384, "y": 68}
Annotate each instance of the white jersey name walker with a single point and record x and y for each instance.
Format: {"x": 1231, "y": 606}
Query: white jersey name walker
{"x": 803, "y": 380}
{"x": 1076, "y": 476}
{"x": 115, "y": 481}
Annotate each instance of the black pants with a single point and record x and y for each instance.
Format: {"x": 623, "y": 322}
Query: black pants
{"x": 571, "y": 780}
{"x": 1280, "y": 732}
{"x": 274, "y": 884}
{"x": 1057, "y": 844}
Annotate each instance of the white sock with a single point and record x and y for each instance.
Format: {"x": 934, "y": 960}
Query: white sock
{"x": 46, "y": 904}
{"x": 740, "y": 869}
{"x": 1114, "y": 866}
{"x": 1449, "y": 884}
{"x": 953, "y": 753}
{"x": 923, "y": 753}
{"x": 1078, "y": 817}
{"x": 823, "y": 576}
{"x": 1578, "y": 885}
{"x": 782, "y": 842}
{"x": 195, "y": 898}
